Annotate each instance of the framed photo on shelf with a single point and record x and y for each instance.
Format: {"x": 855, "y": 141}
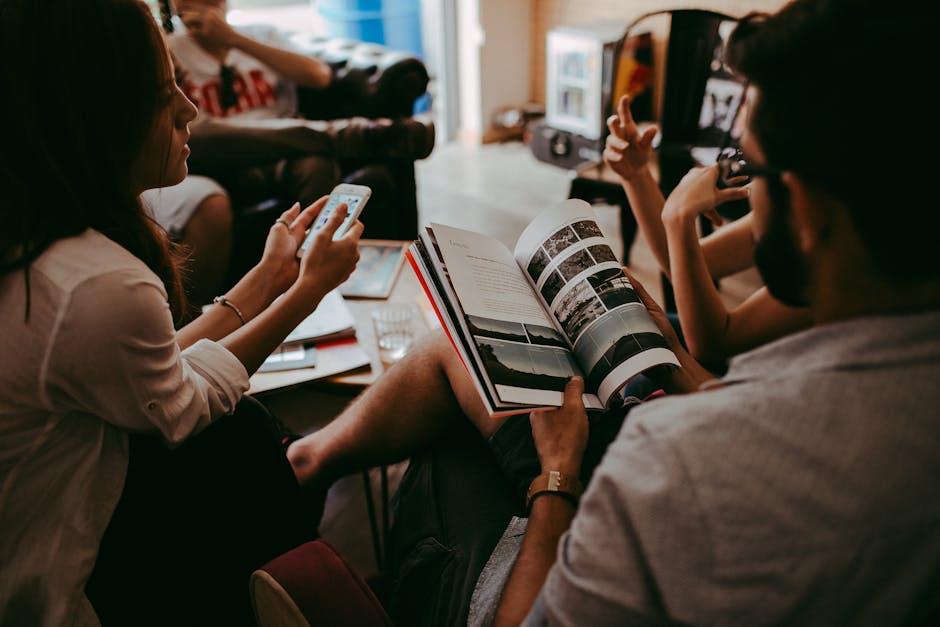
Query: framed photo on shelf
{"x": 379, "y": 264}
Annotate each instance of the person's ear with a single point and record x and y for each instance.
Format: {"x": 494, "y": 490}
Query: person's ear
{"x": 813, "y": 211}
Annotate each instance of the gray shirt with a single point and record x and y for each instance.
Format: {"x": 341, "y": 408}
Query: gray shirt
{"x": 806, "y": 492}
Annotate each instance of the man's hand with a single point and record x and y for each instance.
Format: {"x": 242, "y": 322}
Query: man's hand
{"x": 207, "y": 24}
{"x": 627, "y": 151}
{"x": 560, "y": 438}
{"x": 561, "y": 434}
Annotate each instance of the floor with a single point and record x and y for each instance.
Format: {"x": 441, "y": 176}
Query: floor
{"x": 495, "y": 189}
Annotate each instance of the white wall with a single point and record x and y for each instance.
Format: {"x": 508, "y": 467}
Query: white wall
{"x": 470, "y": 40}
{"x": 494, "y": 60}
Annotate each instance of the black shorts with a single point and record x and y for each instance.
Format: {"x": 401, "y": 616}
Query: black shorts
{"x": 454, "y": 504}
{"x": 514, "y": 447}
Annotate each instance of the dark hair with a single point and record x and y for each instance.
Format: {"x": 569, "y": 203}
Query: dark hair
{"x": 840, "y": 103}
{"x": 166, "y": 15}
{"x": 85, "y": 83}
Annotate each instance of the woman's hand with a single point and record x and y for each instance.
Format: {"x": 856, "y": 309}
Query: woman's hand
{"x": 561, "y": 434}
{"x": 656, "y": 313}
{"x": 279, "y": 265}
{"x": 691, "y": 375}
{"x": 698, "y": 193}
{"x": 324, "y": 265}
{"x": 627, "y": 151}
{"x": 327, "y": 262}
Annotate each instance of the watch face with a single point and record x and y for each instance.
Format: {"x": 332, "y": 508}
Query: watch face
{"x": 553, "y": 482}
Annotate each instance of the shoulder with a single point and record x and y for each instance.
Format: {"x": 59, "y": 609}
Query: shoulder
{"x": 265, "y": 33}
{"x": 199, "y": 64}
{"x": 108, "y": 300}
{"x": 101, "y": 299}
{"x": 92, "y": 258}
{"x": 180, "y": 43}
{"x": 680, "y": 416}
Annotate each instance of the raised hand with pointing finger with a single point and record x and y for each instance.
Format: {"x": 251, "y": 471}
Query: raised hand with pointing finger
{"x": 628, "y": 151}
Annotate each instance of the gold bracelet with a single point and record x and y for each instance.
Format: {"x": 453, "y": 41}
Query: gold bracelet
{"x": 225, "y": 302}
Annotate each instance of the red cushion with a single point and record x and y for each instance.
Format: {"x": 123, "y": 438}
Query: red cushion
{"x": 323, "y": 588}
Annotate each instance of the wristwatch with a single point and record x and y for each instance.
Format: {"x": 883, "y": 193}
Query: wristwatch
{"x": 567, "y": 487}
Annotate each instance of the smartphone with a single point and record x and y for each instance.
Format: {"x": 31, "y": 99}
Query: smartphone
{"x": 355, "y": 197}
{"x": 290, "y": 359}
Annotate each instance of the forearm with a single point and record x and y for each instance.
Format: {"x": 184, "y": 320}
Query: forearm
{"x": 253, "y": 342}
{"x": 295, "y": 67}
{"x": 251, "y": 295}
{"x": 702, "y": 314}
{"x": 646, "y": 202}
{"x": 730, "y": 249}
{"x": 549, "y": 518}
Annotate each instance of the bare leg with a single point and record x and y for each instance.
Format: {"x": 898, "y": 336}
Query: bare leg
{"x": 415, "y": 402}
{"x": 208, "y": 234}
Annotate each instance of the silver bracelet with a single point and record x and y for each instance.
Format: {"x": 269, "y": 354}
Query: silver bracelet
{"x": 225, "y": 302}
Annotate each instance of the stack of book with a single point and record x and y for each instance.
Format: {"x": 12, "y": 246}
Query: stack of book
{"x": 321, "y": 346}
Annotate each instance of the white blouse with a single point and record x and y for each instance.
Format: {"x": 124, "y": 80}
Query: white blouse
{"x": 96, "y": 358}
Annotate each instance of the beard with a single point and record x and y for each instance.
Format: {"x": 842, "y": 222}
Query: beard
{"x": 776, "y": 254}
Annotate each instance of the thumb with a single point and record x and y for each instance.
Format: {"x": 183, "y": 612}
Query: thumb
{"x": 334, "y": 221}
{"x": 573, "y": 390}
{"x": 648, "y": 136}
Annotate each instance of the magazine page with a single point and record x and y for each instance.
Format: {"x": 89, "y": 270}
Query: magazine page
{"x": 513, "y": 339}
{"x": 447, "y": 313}
{"x": 331, "y": 320}
{"x": 577, "y": 276}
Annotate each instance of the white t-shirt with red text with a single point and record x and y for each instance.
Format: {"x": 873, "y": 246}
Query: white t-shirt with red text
{"x": 262, "y": 94}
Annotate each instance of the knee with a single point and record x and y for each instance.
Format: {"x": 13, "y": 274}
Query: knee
{"x": 312, "y": 176}
{"x": 377, "y": 177}
{"x": 436, "y": 350}
{"x": 213, "y": 218}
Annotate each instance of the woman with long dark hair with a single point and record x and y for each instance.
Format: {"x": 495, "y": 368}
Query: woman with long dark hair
{"x": 110, "y": 510}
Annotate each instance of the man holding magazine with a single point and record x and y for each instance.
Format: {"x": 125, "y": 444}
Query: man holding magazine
{"x": 801, "y": 489}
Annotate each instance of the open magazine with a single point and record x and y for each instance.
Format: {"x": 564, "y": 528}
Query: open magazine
{"x": 525, "y": 322}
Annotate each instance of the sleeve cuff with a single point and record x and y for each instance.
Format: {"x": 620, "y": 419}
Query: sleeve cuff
{"x": 220, "y": 367}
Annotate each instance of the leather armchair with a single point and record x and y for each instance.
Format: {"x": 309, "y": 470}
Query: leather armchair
{"x": 369, "y": 80}
{"x": 365, "y": 121}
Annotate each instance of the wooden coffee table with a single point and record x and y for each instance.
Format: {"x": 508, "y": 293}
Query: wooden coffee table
{"x": 407, "y": 290}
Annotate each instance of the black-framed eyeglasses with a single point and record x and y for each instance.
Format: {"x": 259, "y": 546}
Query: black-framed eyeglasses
{"x": 731, "y": 164}
{"x": 227, "y": 95}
